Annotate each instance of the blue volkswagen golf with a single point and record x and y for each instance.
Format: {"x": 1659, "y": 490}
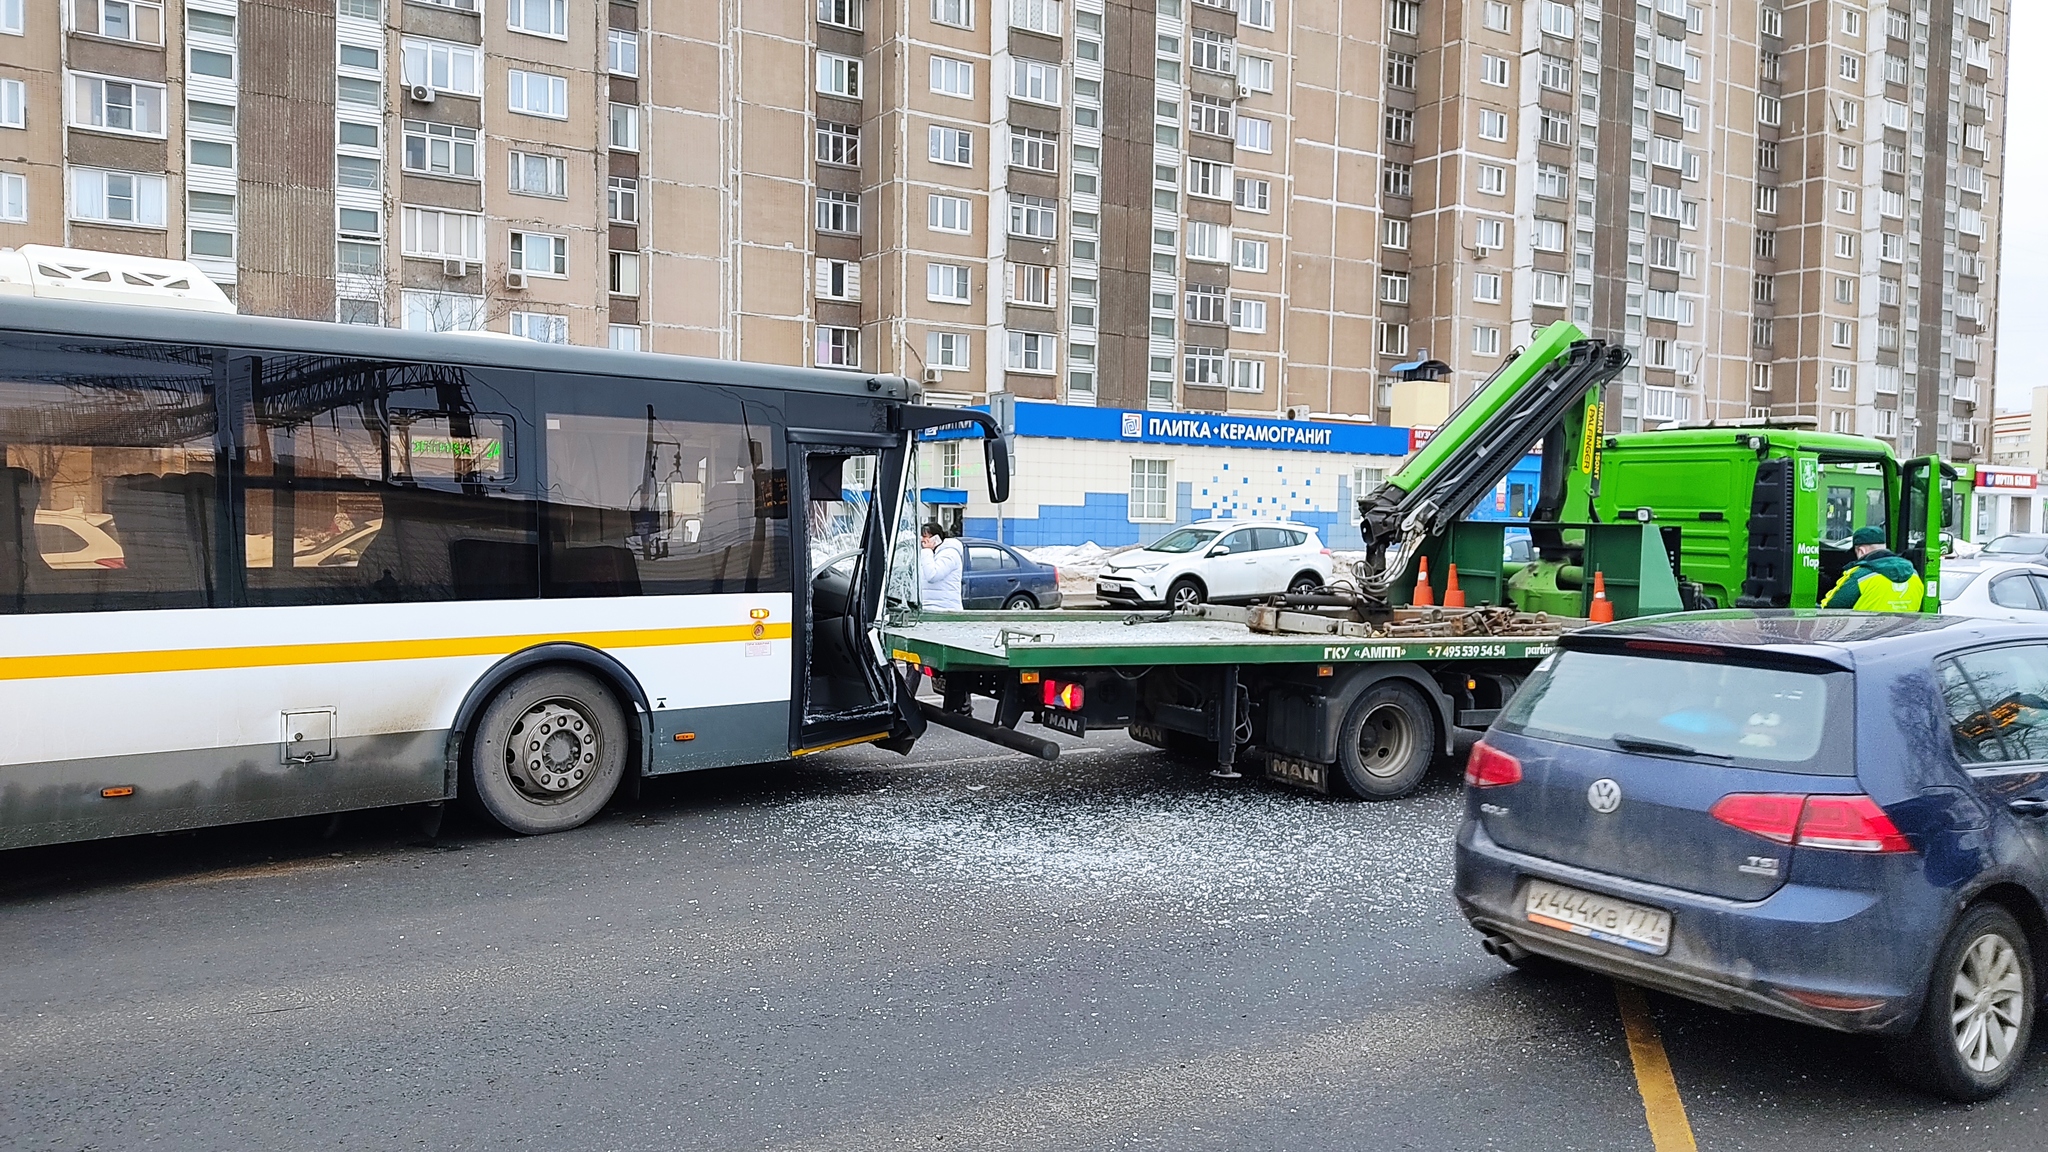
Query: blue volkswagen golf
{"x": 1839, "y": 818}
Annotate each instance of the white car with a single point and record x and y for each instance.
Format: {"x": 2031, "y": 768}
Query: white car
{"x": 2001, "y": 590}
{"x": 1218, "y": 560}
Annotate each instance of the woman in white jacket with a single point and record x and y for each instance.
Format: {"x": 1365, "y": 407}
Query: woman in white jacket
{"x": 941, "y": 569}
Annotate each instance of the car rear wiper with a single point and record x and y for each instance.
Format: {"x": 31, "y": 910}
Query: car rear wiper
{"x": 1649, "y": 744}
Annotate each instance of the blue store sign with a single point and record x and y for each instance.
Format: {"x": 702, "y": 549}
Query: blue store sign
{"x": 1208, "y": 430}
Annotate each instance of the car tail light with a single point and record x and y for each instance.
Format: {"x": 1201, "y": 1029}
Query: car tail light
{"x": 1489, "y": 767}
{"x": 112, "y": 562}
{"x": 1773, "y": 816}
{"x": 1849, "y": 824}
{"x": 1326, "y": 551}
{"x": 1842, "y": 823}
{"x": 1067, "y": 696}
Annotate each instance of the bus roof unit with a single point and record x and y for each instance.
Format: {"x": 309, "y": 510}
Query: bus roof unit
{"x": 49, "y": 273}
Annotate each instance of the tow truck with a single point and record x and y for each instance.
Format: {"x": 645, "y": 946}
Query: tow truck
{"x": 1357, "y": 689}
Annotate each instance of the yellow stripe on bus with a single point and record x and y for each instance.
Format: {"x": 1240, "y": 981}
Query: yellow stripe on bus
{"x": 365, "y": 651}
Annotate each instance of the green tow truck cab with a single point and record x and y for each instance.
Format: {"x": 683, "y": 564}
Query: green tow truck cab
{"x": 1751, "y": 513}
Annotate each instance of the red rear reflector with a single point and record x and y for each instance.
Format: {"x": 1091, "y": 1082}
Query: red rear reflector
{"x": 1832, "y": 1002}
{"x": 1067, "y": 696}
{"x": 1849, "y": 824}
{"x": 1489, "y": 767}
{"x": 1841, "y": 823}
{"x": 111, "y": 562}
{"x": 1773, "y": 816}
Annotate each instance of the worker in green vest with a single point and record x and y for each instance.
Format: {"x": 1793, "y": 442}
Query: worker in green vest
{"x": 1879, "y": 581}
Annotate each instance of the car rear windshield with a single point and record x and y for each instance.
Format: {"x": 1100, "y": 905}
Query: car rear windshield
{"x": 2016, "y": 546}
{"x": 1185, "y": 540}
{"x": 1778, "y": 719}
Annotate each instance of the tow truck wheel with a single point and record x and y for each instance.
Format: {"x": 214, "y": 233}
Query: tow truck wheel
{"x": 1387, "y": 742}
{"x": 548, "y": 752}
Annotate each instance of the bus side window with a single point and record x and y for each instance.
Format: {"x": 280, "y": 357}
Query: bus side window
{"x": 107, "y": 492}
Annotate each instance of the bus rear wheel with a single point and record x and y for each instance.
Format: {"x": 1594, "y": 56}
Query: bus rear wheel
{"x": 548, "y": 752}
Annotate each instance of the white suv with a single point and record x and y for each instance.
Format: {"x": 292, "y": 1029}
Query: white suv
{"x": 1218, "y": 560}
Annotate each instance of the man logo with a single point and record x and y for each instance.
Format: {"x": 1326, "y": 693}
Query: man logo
{"x": 1604, "y": 796}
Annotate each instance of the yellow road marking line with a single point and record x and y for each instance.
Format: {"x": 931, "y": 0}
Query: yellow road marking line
{"x": 1670, "y": 1131}
{"x": 355, "y": 652}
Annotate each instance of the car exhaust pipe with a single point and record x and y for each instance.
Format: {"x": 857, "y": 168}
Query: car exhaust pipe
{"x": 1503, "y": 949}
{"x": 993, "y": 733}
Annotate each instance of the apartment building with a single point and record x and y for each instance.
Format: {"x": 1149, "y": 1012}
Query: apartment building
{"x": 1287, "y": 208}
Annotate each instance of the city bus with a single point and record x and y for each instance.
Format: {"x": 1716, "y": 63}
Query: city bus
{"x": 255, "y": 568}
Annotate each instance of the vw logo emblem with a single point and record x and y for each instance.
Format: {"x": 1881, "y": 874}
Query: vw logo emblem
{"x": 1604, "y": 796}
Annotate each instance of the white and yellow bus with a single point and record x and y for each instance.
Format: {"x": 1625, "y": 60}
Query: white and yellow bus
{"x": 255, "y": 568}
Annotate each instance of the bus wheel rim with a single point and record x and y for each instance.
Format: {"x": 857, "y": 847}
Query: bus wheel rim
{"x": 554, "y": 751}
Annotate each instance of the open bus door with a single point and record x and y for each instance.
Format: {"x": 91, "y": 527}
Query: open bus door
{"x": 1926, "y": 506}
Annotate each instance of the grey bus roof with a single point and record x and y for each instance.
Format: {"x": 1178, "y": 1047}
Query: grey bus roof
{"x": 182, "y": 326}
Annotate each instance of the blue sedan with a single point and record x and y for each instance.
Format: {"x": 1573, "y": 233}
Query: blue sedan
{"x": 999, "y": 576}
{"x": 1839, "y": 818}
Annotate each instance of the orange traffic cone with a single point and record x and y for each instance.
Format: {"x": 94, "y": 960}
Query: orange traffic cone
{"x": 1602, "y": 609}
{"x": 1454, "y": 596}
{"x": 1424, "y": 597}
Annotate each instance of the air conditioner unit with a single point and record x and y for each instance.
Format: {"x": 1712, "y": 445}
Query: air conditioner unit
{"x": 1244, "y": 91}
{"x": 516, "y": 280}
{"x": 456, "y": 267}
{"x": 933, "y": 377}
{"x": 1298, "y": 413}
{"x": 423, "y": 93}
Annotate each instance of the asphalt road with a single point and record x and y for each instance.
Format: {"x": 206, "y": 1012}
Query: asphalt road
{"x": 959, "y": 950}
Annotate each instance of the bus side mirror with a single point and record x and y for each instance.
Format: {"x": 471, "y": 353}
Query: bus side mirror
{"x": 995, "y": 451}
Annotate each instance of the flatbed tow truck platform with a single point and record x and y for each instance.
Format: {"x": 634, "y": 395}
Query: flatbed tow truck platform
{"x": 1357, "y": 706}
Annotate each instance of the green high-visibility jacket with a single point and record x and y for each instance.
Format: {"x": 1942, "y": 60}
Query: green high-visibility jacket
{"x": 1880, "y": 582}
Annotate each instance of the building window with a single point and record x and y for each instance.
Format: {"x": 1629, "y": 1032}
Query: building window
{"x": 1209, "y": 116}
{"x": 1248, "y": 255}
{"x": 1206, "y": 304}
{"x": 1149, "y": 485}
{"x": 205, "y": 62}
{"x": 1207, "y": 242}
{"x": 539, "y": 254}
{"x": 1844, "y": 334}
{"x": 947, "y": 283}
{"x": 1210, "y": 51}
{"x": 1486, "y": 288}
{"x": 1556, "y": 128}
{"x": 1485, "y": 341}
{"x": 1497, "y": 16}
{"x": 1202, "y": 368}
{"x": 839, "y": 76}
{"x": 117, "y": 105}
{"x": 13, "y": 197}
{"x": 1254, "y": 134}
{"x": 1040, "y": 16}
{"x": 140, "y": 21}
{"x": 1493, "y": 179}
{"x": 539, "y": 17}
{"x": 1247, "y": 375}
{"x": 838, "y": 347}
{"x": 1038, "y": 151}
{"x": 211, "y": 153}
{"x": 1035, "y": 81}
{"x": 441, "y": 311}
{"x": 456, "y": 69}
{"x": 952, "y": 77}
{"x": 1399, "y": 126}
{"x": 623, "y": 337}
{"x": 622, "y": 58}
{"x": 953, "y": 146}
{"x": 1766, "y": 244}
{"x": 946, "y": 350}
{"x": 949, "y": 214}
{"x": 1394, "y": 287}
{"x": 357, "y": 171}
{"x": 1549, "y": 289}
{"x": 1766, "y": 200}
{"x": 1033, "y": 352}
{"x": 1393, "y": 339}
{"x": 1554, "y": 73}
{"x": 443, "y": 150}
{"x": 1031, "y": 284}
{"x": 1495, "y": 70}
{"x": 839, "y": 212}
{"x": 542, "y": 327}
{"x": 536, "y": 174}
{"x": 219, "y": 245}
{"x": 1770, "y": 21}
{"x": 1398, "y": 180}
{"x": 1552, "y": 182}
{"x": 1845, "y": 245}
{"x": 838, "y": 280}
{"x": 1034, "y": 217}
{"x": 1404, "y": 16}
{"x": 622, "y": 200}
{"x": 1666, "y": 152}
{"x": 1247, "y": 315}
{"x": 1253, "y": 194}
{"x": 1770, "y": 111}
{"x": 840, "y": 13}
{"x": 1401, "y": 71}
{"x": 1845, "y": 290}
{"x": 1394, "y": 233}
{"x": 838, "y": 144}
{"x": 130, "y": 198}
{"x": 958, "y": 13}
{"x": 1255, "y": 72}
{"x": 1763, "y": 288}
{"x": 357, "y": 310}
{"x": 1760, "y": 377}
{"x": 625, "y": 127}
{"x": 537, "y": 94}
{"x": 1490, "y": 235}
{"x": 1493, "y": 125}
{"x": 1208, "y": 179}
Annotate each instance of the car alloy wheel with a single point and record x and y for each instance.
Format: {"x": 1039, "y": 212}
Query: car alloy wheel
{"x": 1987, "y": 1003}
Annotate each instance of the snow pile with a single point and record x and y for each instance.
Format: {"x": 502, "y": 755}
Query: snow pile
{"x": 1079, "y": 564}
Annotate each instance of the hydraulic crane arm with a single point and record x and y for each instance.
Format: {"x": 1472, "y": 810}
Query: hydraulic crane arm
{"x": 1474, "y": 450}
